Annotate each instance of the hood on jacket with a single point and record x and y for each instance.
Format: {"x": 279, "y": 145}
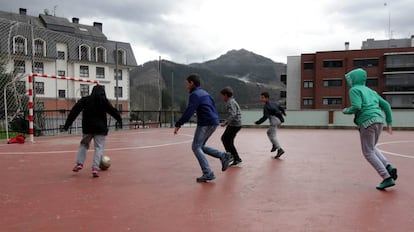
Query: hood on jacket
{"x": 98, "y": 95}
{"x": 356, "y": 77}
{"x": 98, "y": 90}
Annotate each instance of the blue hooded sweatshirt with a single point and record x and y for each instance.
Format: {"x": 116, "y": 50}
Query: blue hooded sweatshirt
{"x": 201, "y": 102}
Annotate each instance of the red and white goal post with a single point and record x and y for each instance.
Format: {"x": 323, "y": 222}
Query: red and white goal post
{"x": 31, "y": 104}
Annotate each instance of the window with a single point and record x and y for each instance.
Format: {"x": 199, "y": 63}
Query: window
{"x": 38, "y": 67}
{"x": 39, "y": 48}
{"x": 84, "y": 90}
{"x": 118, "y": 91}
{"x": 308, "y": 102}
{"x": 332, "y": 83}
{"x": 19, "y": 44}
{"x": 332, "y": 63}
{"x": 282, "y": 94}
{"x": 84, "y": 71}
{"x": 308, "y": 66}
{"x": 401, "y": 62}
{"x": 283, "y": 78}
{"x": 400, "y": 100}
{"x": 308, "y": 84}
{"x": 364, "y": 63}
{"x": 372, "y": 82}
{"x": 100, "y": 72}
{"x": 62, "y": 93}
{"x": 120, "y": 56}
{"x": 332, "y": 101}
{"x": 399, "y": 82}
{"x": 119, "y": 107}
{"x": 39, "y": 87}
{"x": 61, "y": 55}
{"x": 21, "y": 87}
{"x": 39, "y": 106}
{"x": 61, "y": 73}
{"x": 84, "y": 53}
{"x": 118, "y": 74}
{"x": 100, "y": 55}
{"x": 19, "y": 66}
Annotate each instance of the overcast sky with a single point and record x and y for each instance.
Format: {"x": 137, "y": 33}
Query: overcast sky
{"x": 188, "y": 31}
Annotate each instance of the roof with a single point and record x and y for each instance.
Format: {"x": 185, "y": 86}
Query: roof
{"x": 86, "y": 34}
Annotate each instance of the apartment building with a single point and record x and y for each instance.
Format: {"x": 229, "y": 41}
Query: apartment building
{"x": 53, "y": 45}
{"x": 316, "y": 80}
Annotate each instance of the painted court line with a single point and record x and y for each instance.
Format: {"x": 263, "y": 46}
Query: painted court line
{"x": 396, "y": 154}
{"x": 106, "y": 149}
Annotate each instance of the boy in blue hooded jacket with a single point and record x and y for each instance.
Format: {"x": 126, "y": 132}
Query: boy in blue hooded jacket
{"x": 201, "y": 102}
{"x": 367, "y": 106}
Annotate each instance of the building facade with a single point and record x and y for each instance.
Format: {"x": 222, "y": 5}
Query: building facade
{"x": 316, "y": 80}
{"x": 52, "y": 45}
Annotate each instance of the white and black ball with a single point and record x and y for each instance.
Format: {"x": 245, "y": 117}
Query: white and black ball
{"x": 105, "y": 163}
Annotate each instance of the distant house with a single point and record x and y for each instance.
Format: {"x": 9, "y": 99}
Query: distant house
{"x": 55, "y": 46}
{"x": 316, "y": 80}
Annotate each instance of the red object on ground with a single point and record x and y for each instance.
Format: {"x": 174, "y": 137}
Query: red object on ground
{"x": 17, "y": 139}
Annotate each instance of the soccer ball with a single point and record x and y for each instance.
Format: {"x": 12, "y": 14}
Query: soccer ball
{"x": 105, "y": 163}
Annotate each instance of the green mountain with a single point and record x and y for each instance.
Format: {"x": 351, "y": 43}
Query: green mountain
{"x": 247, "y": 73}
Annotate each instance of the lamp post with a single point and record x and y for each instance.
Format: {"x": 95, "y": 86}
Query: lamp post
{"x": 389, "y": 23}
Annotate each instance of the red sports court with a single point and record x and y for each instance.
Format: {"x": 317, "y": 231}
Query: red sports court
{"x": 321, "y": 183}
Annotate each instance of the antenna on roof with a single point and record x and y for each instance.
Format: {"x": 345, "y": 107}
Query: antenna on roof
{"x": 54, "y": 10}
{"x": 46, "y": 11}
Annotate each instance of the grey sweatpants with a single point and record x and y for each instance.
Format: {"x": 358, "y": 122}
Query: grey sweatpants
{"x": 272, "y": 131}
{"x": 99, "y": 145}
{"x": 369, "y": 138}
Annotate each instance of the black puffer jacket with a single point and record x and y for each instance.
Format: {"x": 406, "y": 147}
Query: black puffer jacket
{"x": 94, "y": 107}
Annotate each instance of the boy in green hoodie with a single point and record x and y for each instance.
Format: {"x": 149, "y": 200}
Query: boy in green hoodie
{"x": 367, "y": 106}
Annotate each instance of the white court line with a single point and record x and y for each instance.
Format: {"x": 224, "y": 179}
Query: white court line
{"x": 396, "y": 154}
{"x": 106, "y": 149}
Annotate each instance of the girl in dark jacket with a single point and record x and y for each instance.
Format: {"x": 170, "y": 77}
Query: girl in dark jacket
{"x": 94, "y": 125}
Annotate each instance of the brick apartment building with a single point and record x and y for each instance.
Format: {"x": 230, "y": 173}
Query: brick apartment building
{"x": 316, "y": 80}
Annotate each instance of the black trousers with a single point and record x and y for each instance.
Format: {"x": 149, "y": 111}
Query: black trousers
{"x": 228, "y": 140}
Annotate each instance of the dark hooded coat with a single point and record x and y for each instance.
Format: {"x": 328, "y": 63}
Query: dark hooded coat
{"x": 94, "y": 109}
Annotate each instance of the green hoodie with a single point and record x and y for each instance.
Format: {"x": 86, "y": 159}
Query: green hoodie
{"x": 366, "y": 104}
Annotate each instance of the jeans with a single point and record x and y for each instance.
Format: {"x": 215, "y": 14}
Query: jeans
{"x": 228, "y": 140}
{"x": 99, "y": 145}
{"x": 201, "y": 135}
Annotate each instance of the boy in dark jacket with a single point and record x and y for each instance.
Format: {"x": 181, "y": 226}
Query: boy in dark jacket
{"x": 94, "y": 125}
{"x": 201, "y": 102}
{"x": 274, "y": 113}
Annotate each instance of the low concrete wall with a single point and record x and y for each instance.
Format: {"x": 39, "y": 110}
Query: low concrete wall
{"x": 402, "y": 119}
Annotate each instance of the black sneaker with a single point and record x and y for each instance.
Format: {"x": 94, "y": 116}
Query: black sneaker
{"x": 225, "y": 161}
{"x": 274, "y": 148}
{"x": 392, "y": 171}
{"x": 280, "y": 152}
{"x": 235, "y": 163}
{"x": 206, "y": 178}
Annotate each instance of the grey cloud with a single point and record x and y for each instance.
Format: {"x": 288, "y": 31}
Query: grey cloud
{"x": 141, "y": 11}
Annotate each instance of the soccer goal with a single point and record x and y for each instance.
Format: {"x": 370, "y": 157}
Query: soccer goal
{"x": 60, "y": 94}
